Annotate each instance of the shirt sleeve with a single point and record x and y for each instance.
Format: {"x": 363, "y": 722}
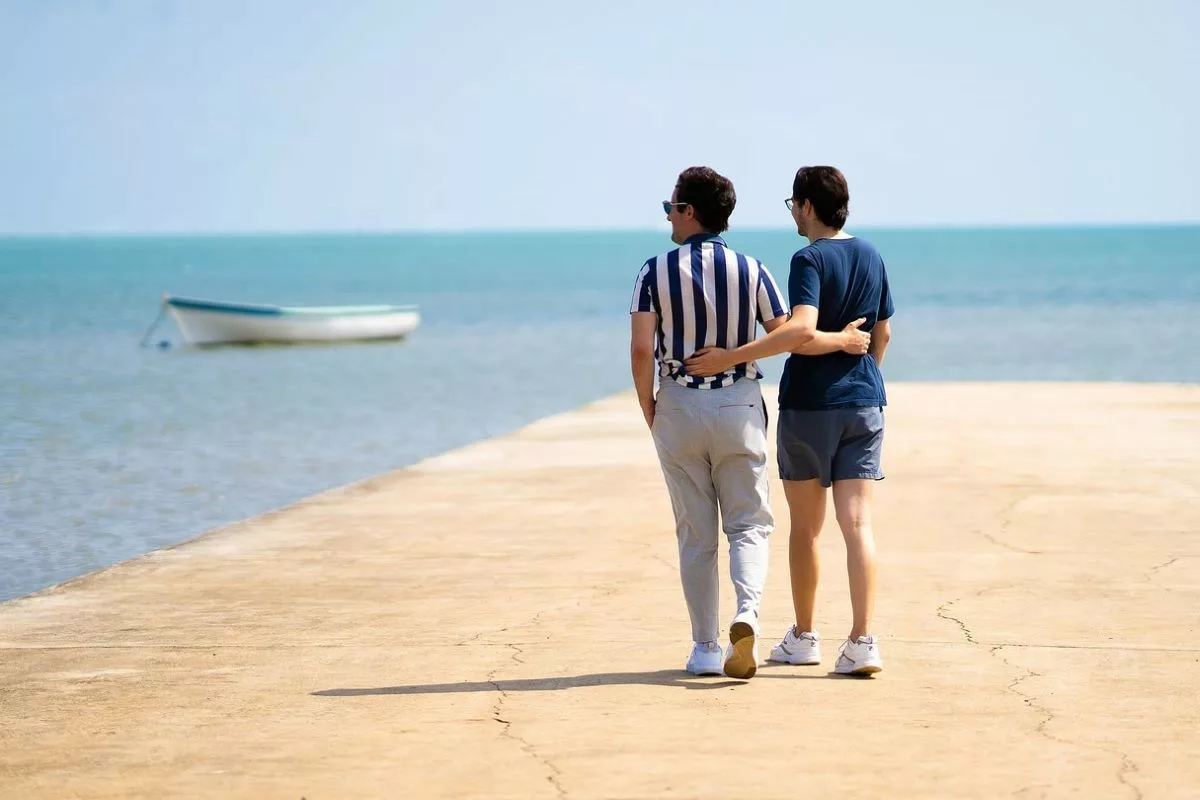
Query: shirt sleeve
{"x": 886, "y": 309}
{"x": 643, "y": 291}
{"x": 804, "y": 281}
{"x": 770, "y": 299}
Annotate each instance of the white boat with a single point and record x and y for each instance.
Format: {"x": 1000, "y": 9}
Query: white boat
{"x": 211, "y": 322}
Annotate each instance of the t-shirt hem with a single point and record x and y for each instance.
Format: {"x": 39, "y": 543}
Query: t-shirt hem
{"x": 868, "y": 403}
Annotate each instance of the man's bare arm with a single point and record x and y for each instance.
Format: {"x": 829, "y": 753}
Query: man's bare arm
{"x": 795, "y": 333}
{"x": 824, "y": 342}
{"x": 784, "y": 335}
{"x": 881, "y": 334}
{"x": 643, "y": 326}
{"x": 770, "y": 325}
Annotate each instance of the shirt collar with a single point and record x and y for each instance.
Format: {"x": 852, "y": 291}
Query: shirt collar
{"x": 704, "y": 237}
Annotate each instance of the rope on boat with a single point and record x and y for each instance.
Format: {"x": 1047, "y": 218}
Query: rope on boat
{"x": 162, "y": 312}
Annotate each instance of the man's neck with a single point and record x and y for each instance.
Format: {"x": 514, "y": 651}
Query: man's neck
{"x": 826, "y": 232}
{"x": 692, "y": 234}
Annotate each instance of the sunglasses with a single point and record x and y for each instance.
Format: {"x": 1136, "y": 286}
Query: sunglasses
{"x": 668, "y": 205}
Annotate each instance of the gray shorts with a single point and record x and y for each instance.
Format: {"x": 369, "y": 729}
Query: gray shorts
{"x": 836, "y": 444}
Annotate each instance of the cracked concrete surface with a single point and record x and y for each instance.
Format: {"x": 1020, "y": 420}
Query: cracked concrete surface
{"x": 528, "y": 747}
{"x": 943, "y": 611}
{"x": 1125, "y": 765}
{"x": 506, "y": 621}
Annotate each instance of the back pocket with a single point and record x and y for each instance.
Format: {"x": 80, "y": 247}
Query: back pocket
{"x": 743, "y": 412}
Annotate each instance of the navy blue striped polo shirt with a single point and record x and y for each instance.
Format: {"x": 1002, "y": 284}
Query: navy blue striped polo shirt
{"x": 705, "y": 294}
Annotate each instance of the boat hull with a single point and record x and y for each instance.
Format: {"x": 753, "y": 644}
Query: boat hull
{"x": 215, "y": 325}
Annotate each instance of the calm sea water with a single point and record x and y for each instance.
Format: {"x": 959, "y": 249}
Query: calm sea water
{"x": 108, "y": 450}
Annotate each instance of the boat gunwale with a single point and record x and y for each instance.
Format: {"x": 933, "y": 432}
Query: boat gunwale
{"x": 259, "y": 309}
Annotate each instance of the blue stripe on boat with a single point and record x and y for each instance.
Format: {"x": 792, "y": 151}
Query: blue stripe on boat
{"x": 276, "y": 311}
{"x": 229, "y": 308}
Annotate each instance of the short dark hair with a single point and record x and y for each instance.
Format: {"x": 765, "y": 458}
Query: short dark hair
{"x": 710, "y": 195}
{"x": 827, "y": 190}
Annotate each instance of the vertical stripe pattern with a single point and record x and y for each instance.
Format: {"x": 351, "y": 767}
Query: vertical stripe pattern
{"x": 705, "y": 294}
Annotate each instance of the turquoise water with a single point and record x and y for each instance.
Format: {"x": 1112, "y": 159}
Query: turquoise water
{"x": 108, "y": 450}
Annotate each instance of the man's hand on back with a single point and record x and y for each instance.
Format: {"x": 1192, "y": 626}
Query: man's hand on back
{"x": 707, "y": 361}
{"x": 857, "y": 342}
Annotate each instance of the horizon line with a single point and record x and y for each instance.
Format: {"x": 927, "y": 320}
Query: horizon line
{"x": 321, "y": 232}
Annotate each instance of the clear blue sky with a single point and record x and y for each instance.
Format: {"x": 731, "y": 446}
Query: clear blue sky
{"x": 215, "y": 115}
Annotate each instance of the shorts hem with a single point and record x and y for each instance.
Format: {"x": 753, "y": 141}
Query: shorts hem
{"x": 824, "y": 482}
{"x": 860, "y": 476}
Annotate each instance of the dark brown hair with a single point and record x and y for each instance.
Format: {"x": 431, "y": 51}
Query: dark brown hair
{"x": 826, "y": 189}
{"x": 710, "y": 195}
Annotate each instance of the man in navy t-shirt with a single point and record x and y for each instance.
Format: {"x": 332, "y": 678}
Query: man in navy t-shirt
{"x": 831, "y": 403}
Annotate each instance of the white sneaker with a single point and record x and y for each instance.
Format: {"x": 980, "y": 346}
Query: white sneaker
{"x": 859, "y": 658}
{"x": 705, "y": 659}
{"x": 803, "y": 649}
{"x": 741, "y": 660}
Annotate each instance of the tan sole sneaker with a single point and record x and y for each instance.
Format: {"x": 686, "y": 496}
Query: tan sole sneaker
{"x": 742, "y": 660}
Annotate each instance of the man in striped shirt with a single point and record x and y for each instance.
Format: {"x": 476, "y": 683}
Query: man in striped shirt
{"x": 710, "y": 432}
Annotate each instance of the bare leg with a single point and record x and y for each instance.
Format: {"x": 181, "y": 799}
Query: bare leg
{"x": 852, "y": 503}
{"x": 806, "y": 504}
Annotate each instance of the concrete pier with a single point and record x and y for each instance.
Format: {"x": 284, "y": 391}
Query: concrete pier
{"x": 506, "y": 621}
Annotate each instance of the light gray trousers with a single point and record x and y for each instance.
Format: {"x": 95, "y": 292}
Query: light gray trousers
{"x": 712, "y": 444}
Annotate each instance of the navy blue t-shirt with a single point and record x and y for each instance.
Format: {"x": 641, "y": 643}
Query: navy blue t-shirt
{"x": 844, "y": 279}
